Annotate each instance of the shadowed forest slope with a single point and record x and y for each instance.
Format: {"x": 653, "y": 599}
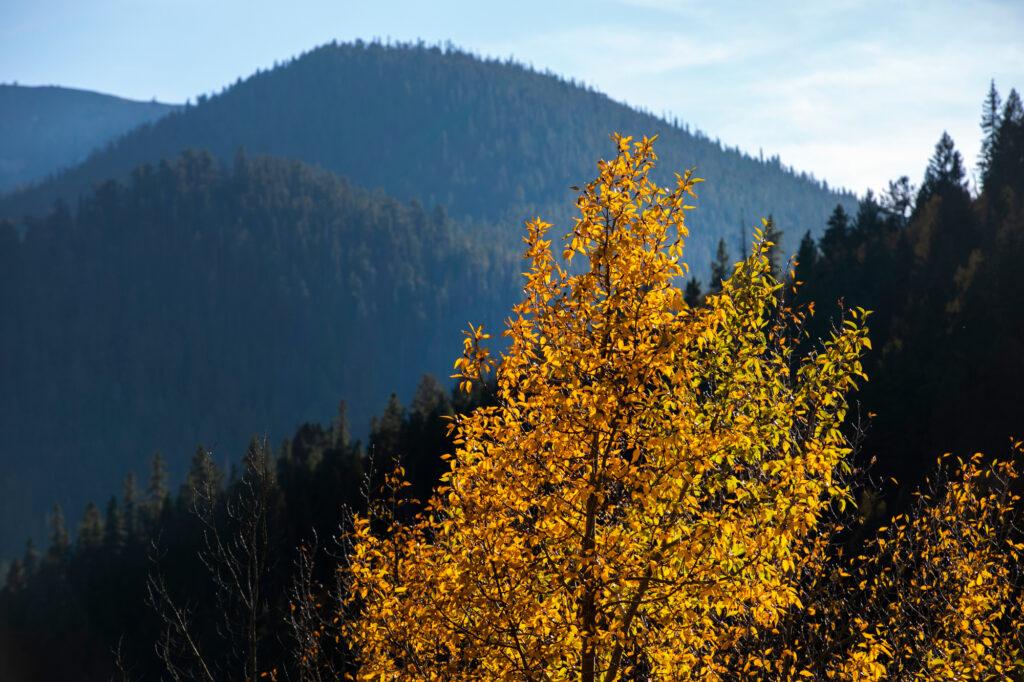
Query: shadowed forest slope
{"x": 200, "y": 303}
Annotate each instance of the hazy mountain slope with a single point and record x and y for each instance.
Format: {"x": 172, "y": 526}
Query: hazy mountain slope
{"x": 44, "y": 129}
{"x": 487, "y": 139}
{"x": 203, "y": 305}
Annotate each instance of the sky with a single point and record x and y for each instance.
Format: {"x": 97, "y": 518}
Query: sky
{"x": 856, "y": 93}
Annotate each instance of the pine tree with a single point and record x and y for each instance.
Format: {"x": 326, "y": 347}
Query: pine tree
{"x": 158, "y": 492}
{"x": 115, "y": 535}
{"x": 869, "y": 223}
{"x": 1013, "y": 110}
{"x": 203, "y": 480}
{"x": 90, "y": 530}
{"x": 837, "y": 233}
{"x": 430, "y": 399}
{"x": 1006, "y": 167}
{"x": 692, "y": 295}
{"x": 340, "y": 433}
{"x": 16, "y": 577}
{"x": 991, "y": 117}
{"x": 60, "y": 539}
{"x": 945, "y": 173}
{"x": 806, "y": 258}
{"x": 130, "y": 507}
{"x": 721, "y": 267}
{"x": 386, "y": 432}
{"x": 31, "y": 560}
{"x": 898, "y": 201}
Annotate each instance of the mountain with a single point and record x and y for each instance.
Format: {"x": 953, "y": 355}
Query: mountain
{"x": 156, "y": 297}
{"x": 44, "y": 129}
{"x": 200, "y": 303}
{"x": 490, "y": 140}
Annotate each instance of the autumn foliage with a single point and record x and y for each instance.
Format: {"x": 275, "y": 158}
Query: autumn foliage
{"x": 658, "y": 493}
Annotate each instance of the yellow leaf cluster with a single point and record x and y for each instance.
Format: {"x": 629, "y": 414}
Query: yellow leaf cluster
{"x": 654, "y": 494}
{"x": 647, "y": 488}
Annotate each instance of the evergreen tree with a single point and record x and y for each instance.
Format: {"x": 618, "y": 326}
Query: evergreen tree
{"x": 157, "y": 493}
{"x": 991, "y": 117}
{"x": 386, "y": 433}
{"x": 340, "y": 433}
{"x": 16, "y": 577}
{"x": 90, "y": 530}
{"x": 945, "y": 174}
{"x": 31, "y": 560}
{"x": 721, "y": 267}
{"x": 806, "y": 258}
{"x": 203, "y": 480}
{"x": 430, "y": 400}
{"x": 130, "y": 507}
{"x": 1013, "y": 110}
{"x": 898, "y": 201}
{"x": 869, "y": 223}
{"x": 60, "y": 539}
{"x": 692, "y": 294}
{"x": 837, "y": 233}
{"x": 115, "y": 535}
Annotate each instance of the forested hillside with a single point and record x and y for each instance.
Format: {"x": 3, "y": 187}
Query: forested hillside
{"x": 202, "y": 303}
{"x": 489, "y": 140}
{"x": 46, "y": 129}
{"x": 941, "y": 269}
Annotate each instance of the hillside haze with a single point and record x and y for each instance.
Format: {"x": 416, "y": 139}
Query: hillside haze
{"x": 45, "y": 129}
{"x": 172, "y": 297}
{"x": 490, "y": 140}
{"x": 204, "y": 304}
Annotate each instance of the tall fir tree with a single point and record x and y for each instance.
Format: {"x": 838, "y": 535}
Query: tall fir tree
{"x": 945, "y": 173}
{"x": 158, "y": 492}
{"x": 898, "y": 201}
{"x": 1008, "y": 147}
{"x": 16, "y": 577}
{"x": 130, "y": 507}
{"x": 991, "y": 116}
{"x": 721, "y": 267}
{"x": 90, "y": 530}
{"x": 340, "y": 433}
{"x": 115, "y": 530}
{"x": 203, "y": 480}
{"x": 692, "y": 294}
{"x": 806, "y": 258}
{"x": 60, "y": 539}
{"x": 837, "y": 234}
{"x": 869, "y": 223}
{"x": 386, "y": 432}
{"x": 31, "y": 559}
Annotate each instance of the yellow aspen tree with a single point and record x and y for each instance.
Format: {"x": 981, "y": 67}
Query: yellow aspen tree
{"x": 650, "y": 487}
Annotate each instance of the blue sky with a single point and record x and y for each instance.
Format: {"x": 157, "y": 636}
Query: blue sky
{"x": 855, "y": 92}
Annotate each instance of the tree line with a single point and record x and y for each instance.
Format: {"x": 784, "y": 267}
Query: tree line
{"x": 104, "y": 593}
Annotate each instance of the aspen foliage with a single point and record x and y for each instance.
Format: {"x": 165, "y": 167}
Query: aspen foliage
{"x": 650, "y": 482}
{"x": 653, "y": 496}
{"x": 940, "y": 588}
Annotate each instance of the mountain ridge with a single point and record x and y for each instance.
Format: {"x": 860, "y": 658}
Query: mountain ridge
{"x": 47, "y": 128}
{"x": 491, "y": 140}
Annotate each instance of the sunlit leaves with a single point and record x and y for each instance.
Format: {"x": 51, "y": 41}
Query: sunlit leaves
{"x": 654, "y": 494}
